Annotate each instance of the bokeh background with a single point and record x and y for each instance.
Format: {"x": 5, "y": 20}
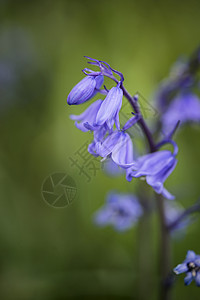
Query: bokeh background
{"x": 51, "y": 253}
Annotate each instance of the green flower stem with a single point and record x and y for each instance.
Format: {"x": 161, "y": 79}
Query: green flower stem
{"x": 145, "y": 251}
{"x": 165, "y": 251}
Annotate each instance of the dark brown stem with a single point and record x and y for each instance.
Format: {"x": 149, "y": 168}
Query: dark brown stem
{"x": 141, "y": 121}
{"x": 165, "y": 250}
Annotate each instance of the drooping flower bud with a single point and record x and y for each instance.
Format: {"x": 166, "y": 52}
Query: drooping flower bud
{"x": 122, "y": 211}
{"x": 85, "y": 89}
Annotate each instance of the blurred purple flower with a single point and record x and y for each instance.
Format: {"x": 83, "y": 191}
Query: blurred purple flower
{"x": 121, "y": 211}
{"x": 185, "y": 107}
{"x": 85, "y": 89}
{"x": 179, "y": 79}
{"x": 172, "y": 211}
{"x": 156, "y": 167}
{"x": 111, "y": 168}
{"x": 190, "y": 266}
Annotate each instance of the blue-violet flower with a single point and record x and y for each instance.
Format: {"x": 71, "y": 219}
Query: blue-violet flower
{"x": 185, "y": 107}
{"x": 85, "y": 89}
{"x": 111, "y": 168}
{"x": 173, "y": 210}
{"x": 119, "y": 146}
{"x": 109, "y": 110}
{"x": 156, "y": 167}
{"x": 88, "y": 117}
{"x": 121, "y": 211}
{"x": 190, "y": 266}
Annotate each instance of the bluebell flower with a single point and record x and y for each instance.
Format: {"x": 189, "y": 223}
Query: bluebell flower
{"x": 185, "y": 107}
{"x": 101, "y": 112}
{"x": 190, "y": 266}
{"x": 156, "y": 167}
{"x": 121, "y": 211}
{"x": 109, "y": 110}
{"x": 86, "y": 120}
{"x": 179, "y": 80}
{"x": 117, "y": 145}
{"x": 85, "y": 89}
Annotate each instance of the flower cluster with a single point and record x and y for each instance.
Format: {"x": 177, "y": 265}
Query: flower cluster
{"x": 190, "y": 266}
{"x": 113, "y": 142}
{"x": 178, "y": 103}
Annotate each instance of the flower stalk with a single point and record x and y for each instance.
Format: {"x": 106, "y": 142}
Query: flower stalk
{"x": 122, "y": 211}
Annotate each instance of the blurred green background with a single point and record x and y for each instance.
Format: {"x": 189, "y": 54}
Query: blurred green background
{"x": 49, "y": 253}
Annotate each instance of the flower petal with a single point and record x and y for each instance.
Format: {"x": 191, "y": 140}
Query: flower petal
{"x": 87, "y": 118}
{"x": 123, "y": 224}
{"x": 105, "y": 148}
{"x": 99, "y": 81}
{"x": 188, "y": 279}
{"x": 166, "y": 194}
{"x": 157, "y": 180}
{"x": 197, "y": 260}
{"x": 81, "y": 126}
{"x": 121, "y": 210}
{"x": 92, "y": 149}
{"x": 181, "y": 268}
{"x": 122, "y": 154}
{"x": 83, "y": 91}
{"x": 111, "y": 168}
{"x": 103, "y": 216}
{"x": 191, "y": 255}
{"x": 185, "y": 107}
{"x": 152, "y": 163}
{"x": 110, "y": 106}
{"x": 197, "y": 279}
{"x": 88, "y": 113}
